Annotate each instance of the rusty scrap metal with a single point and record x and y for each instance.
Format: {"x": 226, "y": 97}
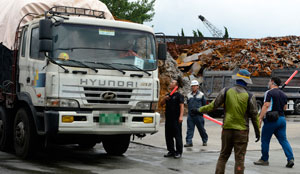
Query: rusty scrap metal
{"x": 259, "y": 56}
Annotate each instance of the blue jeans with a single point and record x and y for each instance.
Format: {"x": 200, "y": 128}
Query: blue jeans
{"x": 278, "y": 128}
{"x": 191, "y": 123}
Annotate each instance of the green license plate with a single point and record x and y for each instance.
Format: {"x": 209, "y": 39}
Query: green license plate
{"x": 110, "y": 119}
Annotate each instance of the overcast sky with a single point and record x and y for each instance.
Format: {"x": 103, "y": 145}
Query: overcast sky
{"x": 243, "y": 18}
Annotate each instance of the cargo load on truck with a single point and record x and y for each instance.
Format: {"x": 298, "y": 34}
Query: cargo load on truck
{"x": 10, "y": 19}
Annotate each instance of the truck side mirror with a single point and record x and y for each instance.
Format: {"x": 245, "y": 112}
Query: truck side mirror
{"x": 45, "y": 35}
{"x": 162, "y": 51}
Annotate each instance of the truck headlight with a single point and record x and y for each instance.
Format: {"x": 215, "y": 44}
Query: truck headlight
{"x": 143, "y": 106}
{"x": 62, "y": 103}
{"x": 146, "y": 106}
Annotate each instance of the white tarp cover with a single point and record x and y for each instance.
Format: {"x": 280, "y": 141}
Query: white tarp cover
{"x": 12, "y": 11}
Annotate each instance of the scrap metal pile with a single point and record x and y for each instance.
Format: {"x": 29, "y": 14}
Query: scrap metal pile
{"x": 259, "y": 56}
{"x": 168, "y": 71}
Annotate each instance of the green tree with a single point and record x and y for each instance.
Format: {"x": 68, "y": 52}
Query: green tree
{"x": 138, "y": 11}
{"x": 195, "y": 33}
{"x": 199, "y": 33}
{"x": 182, "y": 32}
{"x": 226, "y": 35}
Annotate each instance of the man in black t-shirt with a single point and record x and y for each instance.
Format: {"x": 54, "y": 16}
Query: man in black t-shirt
{"x": 275, "y": 101}
{"x": 173, "y": 123}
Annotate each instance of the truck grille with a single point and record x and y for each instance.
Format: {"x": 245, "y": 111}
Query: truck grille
{"x": 93, "y": 95}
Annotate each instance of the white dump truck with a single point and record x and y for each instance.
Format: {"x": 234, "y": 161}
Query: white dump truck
{"x": 73, "y": 75}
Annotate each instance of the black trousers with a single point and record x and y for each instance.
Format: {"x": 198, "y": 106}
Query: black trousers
{"x": 173, "y": 131}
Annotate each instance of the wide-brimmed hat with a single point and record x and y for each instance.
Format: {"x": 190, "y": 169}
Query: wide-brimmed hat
{"x": 244, "y": 75}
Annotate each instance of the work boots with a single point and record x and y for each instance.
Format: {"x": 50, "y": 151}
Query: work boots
{"x": 261, "y": 162}
{"x": 188, "y": 145}
{"x": 290, "y": 163}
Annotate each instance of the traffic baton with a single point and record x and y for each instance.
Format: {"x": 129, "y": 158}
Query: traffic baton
{"x": 212, "y": 119}
{"x": 288, "y": 80}
{"x": 174, "y": 90}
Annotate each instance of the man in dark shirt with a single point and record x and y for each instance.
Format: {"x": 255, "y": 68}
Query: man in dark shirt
{"x": 173, "y": 124}
{"x": 275, "y": 101}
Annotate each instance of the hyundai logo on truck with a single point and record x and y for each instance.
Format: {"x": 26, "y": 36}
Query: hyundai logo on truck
{"x": 108, "y": 95}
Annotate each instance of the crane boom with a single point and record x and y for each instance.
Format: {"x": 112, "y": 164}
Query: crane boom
{"x": 211, "y": 28}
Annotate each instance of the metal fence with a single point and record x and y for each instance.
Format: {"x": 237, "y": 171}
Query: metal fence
{"x": 181, "y": 40}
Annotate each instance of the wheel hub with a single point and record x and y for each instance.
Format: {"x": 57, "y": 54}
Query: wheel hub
{"x": 20, "y": 133}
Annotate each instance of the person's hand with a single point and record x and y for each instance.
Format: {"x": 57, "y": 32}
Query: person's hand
{"x": 194, "y": 111}
{"x": 167, "y": 97}
{"x": 260, "y": 121}
{"x": 180, "y": 119}
{"x": 257, "y": 136}
{"x": 129, "y": 53}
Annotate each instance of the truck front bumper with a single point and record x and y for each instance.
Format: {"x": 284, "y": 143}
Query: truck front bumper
{"x": 89, "y": 123}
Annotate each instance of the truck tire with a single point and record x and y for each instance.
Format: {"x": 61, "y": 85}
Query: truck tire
{"x": 259, "y": 105}
{"x": 116, "y": 144}
{"x": 25, "y": 138}
{"x": 5, "y": 131}
{"x": 297, "y": 107}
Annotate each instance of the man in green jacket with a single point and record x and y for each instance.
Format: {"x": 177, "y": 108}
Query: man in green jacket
{"x": 239, "y": 106}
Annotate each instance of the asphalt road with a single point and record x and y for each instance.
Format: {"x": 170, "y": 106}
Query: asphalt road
{"x": 147, "y": 158}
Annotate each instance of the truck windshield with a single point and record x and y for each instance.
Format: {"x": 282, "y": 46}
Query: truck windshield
{"x": 87, "y": 43}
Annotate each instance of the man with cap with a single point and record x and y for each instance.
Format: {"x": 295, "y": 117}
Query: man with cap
{"x": 239, "y": 106}
{"x": 195, "y": 99}
{"x": 275, "y": 102}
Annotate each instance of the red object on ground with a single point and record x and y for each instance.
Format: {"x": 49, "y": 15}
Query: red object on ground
{"x": 174, "y": 90}
{"x": 212, "y": 119}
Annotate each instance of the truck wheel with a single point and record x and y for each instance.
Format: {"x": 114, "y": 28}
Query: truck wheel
{"x": 259, "y": 105}
{"x": 24, "y": 134}
{"x": 5, "y": 131}
{"x": 116, "y": 144}
{"x": 297, "y": 107}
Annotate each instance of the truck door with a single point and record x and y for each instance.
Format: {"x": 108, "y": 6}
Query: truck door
{"x": 32, "y": 72}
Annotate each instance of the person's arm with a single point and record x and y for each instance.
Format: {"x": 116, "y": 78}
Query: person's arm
{"x": 181, "y": 105}
{"x": 218, "y": 101}
{"x": 203, "y": 101}
{"x": 263, "y": 112}
{"x": 253, "y": 114}
{"x": 264, "y": 109}
{"x": 163, "y": 101}
{"x": 129, "y": 53}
